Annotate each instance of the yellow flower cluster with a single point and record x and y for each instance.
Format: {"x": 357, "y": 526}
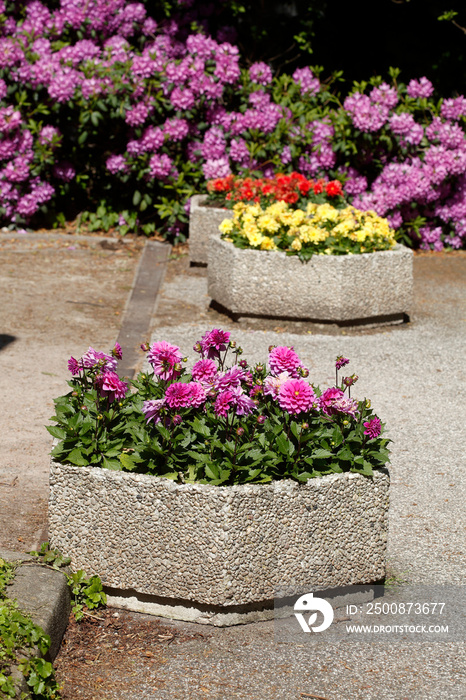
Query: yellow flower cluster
{"x": 320, "y": 228}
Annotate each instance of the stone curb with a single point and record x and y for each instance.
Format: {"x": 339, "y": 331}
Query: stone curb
{"x": 43, "y": 593}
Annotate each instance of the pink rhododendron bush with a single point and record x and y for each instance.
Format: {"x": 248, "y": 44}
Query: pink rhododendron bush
{"x": 224, "y": 422}
{"x": 108, "y": 115}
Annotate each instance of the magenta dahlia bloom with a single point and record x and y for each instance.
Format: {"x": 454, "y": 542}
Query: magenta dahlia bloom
{"x": 328, "y": 398}
{"x": 284, "y": 359}
{"x": 223, "y": 403}
{"x": 197, "y": 394}
{"x": 230, "y": 379}
{"x": 373, "y": 428}
{"x": 116, "y": 352}
{"x": 296, "y": 396}
{"x": 163, "y": 357}
{"x": 178, "y": 395}
{"x": 93, "y": 358}
{"x": 110, "y": 385}
{"x": 341, "y": 362}
{"x": 204, "y": 371}
{"x": 73, "y": 366}
{"x": 214, "y": 342}
{"x": 243, "y": 403}
{"x": 152, "y": 408}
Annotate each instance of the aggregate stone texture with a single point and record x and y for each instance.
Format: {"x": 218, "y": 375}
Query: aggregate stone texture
{"x": 203, "y": 222}
{"x": 338, "y": 288}
{"x": 219, "y": 546}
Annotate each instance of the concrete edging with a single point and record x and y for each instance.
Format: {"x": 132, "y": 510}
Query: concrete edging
{"x": 42, "y": 593}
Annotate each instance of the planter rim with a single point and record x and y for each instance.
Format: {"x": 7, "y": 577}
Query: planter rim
{"x": 398, "y": 247}
{"x": 278, "y": 484}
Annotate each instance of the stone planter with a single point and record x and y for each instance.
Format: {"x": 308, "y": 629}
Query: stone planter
{"x": 203, "y": 222}
{"x": 217, "y": 554}
{"x": 367, "y": 287}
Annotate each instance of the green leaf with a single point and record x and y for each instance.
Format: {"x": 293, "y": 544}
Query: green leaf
{"x": 212, "y": 471}
{"x": 321, "y": 454}
{"x": 113, "y": 464}
{"x": 76, "y": 457}
{"x": 200, "y": 427}
{"x": 129, "y": 462}
{"x": 56, "y": 431}
{"x": 136, "y": 197}
{"x": 282, "y": 443}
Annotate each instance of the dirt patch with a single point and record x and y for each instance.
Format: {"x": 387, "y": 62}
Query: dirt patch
{"x": 101, "y": 654}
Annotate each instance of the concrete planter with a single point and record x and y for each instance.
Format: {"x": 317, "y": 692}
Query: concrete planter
{"x": 217, "y": 554}
{"x": 203, "y": 222}
{"x": 338, "y": 288}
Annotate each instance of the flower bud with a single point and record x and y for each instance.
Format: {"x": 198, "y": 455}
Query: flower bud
{"x": 239, "y": 351}
{"x": 74, "y": 393}
{"x": 305, "y": 426}
{"x": 261, "y": 419}
{"x": 239, "y": 431}
{"x": 349, "y": 381}
{"x": 177, "y": 367}
{"x": 197, "y": 347}
{"x": 83, "y": 408}
{"x": 271, "y": 347}
{"x": 304, "y": 372}
{"x": 259, "y": 368}
{"x": 145, "y": 347}
{"x": 177, "y": 419}
{"x": 185, "y": 359}
{"x": 100, "y": 416}
{"x": 232, "y": 344}
{"x": 243, "y": 364}
{"x": 346, "y": 422}
{"x": 368, "y": 403}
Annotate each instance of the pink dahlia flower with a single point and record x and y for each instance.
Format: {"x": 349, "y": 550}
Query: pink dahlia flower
{"x": 345, "y": 405}
{"x": 296, "y": 396}
{"x": 214, "y": 342}
{"x": 73, "y": 366}
{"x": 152, "y": 408}
{"x": 272, "y": 384}
{"x": 243, "y": 403}
{"x": 204, "y": 371}
{"x": 223, "y": 403}
{"x": 110, "y": 385}
{"x": 163, "y": 357}
{"x": 230, "y": 379}
{"x": 94, "y": 358}
{"x": 328, "y": 398}
{"x": 197, "y": 395}
{"x": 284, "y": 359}
{"x": 178, "y": 395}
{"x": 341, "y": 362}
{"x": 373, "y": 428}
